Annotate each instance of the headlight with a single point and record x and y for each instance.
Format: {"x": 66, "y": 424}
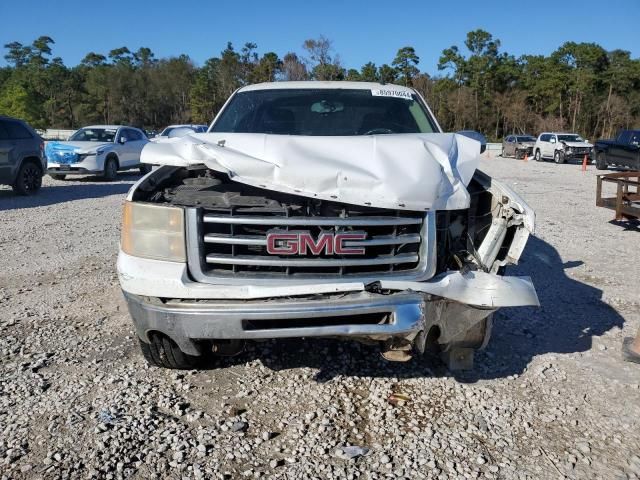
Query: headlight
{"x": 153, "y": 231}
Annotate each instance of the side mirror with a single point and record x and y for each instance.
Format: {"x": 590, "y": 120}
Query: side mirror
{"x": 123, "y": 140}
{"x": 553, "y": 140}
{"x": 477, "y": 136}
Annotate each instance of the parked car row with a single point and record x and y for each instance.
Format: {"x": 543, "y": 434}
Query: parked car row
{"x": 102, "y": 150}
{"x": 623, "y": 151}
{"x": 555, "y": 146}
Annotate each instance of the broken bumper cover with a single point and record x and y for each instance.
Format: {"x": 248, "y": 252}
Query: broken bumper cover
{"x": 453, "y": 301}
{"x": 185, "y": 321}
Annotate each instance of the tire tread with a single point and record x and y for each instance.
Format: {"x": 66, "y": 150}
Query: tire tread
{"x": 163, "y": 352}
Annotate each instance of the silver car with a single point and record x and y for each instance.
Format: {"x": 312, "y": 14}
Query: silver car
{"x": 517, "y": 146}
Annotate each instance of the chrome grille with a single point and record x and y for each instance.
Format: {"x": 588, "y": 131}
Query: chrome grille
{"x": 234, "y": 246}
{"x": 581, "y": 150}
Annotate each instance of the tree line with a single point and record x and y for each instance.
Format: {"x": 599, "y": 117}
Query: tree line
{"x": 579, "y": 87}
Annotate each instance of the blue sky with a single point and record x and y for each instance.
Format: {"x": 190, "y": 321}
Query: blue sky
{"x": 361, "y": 31}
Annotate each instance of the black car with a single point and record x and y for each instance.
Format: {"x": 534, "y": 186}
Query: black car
{"x": 22, "y": 162}
{"x": 623, "y": 151}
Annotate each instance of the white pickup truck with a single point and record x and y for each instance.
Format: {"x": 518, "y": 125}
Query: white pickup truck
{"x": 320, "y": 209}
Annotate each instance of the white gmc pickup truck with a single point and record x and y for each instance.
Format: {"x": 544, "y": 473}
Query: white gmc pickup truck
{"x": 320, "y": 209}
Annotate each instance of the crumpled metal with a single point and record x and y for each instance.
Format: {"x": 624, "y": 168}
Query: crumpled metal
{"x": 398, "y": 171}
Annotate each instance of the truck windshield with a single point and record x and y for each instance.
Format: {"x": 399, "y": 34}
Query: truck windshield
{"x": 324, "y": 112}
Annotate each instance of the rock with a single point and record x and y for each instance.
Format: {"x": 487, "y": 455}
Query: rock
{"x": 239, "y": 426}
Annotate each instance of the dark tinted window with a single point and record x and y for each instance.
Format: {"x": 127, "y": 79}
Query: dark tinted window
{"x": 94, "y": 135}
{"x": 526, "y": 138}
{"x": 545, "y": 138}
{"x": 330, "y": 112}
{"x": 16, "y": 131}
{"x": 624, "y": 136}
{"x": 570, "y": 138}
{"x": 132, "y": 135}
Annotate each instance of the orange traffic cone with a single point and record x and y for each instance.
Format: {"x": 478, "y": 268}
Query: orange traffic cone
{"x": 584, "y": 163}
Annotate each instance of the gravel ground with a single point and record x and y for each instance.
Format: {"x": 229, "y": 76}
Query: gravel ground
{"x": 549, "y": 398}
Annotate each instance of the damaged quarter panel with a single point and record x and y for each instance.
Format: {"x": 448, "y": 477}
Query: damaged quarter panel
{"x": 320, "y": 209}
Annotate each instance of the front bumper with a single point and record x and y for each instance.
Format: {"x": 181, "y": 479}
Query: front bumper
{"x": 91, "y": 164}
{"x": 525, "y": 148}
{"x": 162, "y": 298}
{"x": 359, "y": 315}
{"x": 578, "y": 156}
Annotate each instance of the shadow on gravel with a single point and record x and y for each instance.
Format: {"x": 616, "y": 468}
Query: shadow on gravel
{"x": 572, "y": 313}
{"x": 627, "y": 225}
{"x": 61, "y": 191}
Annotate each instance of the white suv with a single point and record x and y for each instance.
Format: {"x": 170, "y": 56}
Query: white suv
{"x": 562, "y": 146}
{"x": 97, "y": 150}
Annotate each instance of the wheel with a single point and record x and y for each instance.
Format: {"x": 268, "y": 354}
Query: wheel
{"x": 29, "y": 178}
{"x": 110, "y": 169}
{"x": 58, "y": 176}
{"x": 558, "y": 156}
{"x": 145, "y": 168}
{"x": 537, "y": 156}
{"x": 164, "y": 352}
{"x": 601, "y": 161}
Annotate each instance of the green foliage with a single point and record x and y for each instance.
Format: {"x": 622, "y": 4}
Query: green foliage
{"x": 579, "y": 87}
{"x": 405, "y": 64}
{"x": 369, "y": 73}
{"x": 15, "y": 101}
{"x": 323, "y": 65}
{"x": 387, "y": 74}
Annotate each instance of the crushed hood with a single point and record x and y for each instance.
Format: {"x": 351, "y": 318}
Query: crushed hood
{"x": 408, "y": 171}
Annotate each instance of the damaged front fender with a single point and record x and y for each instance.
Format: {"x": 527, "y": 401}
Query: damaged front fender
{"x": 478, "y": 289}
{"x": 509, "y": 211}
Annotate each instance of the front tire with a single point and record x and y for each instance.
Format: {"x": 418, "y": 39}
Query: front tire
{"x": 537, "y": 156}
{"x": 601, "y": 161}
{"x": 165, "y": 353}
{"x": 29, "y": 179}
{"x": 110, "y": 169}
{"x": 558, "y": 157}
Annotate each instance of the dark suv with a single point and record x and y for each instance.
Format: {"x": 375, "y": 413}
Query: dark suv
{"x": 22, "y": 162}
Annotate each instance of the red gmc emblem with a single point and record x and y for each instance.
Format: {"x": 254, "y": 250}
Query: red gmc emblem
{"x": 303, "y": 243}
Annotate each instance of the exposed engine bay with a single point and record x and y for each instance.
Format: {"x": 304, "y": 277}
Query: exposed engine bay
{"x": 460, "y": 233}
